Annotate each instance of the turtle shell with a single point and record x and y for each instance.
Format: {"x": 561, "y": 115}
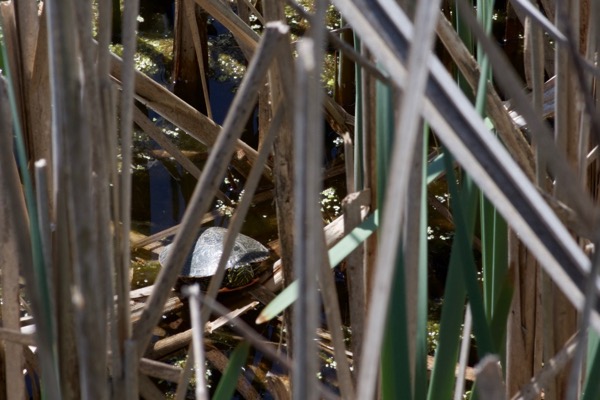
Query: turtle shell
{"x": 204, "y": 259}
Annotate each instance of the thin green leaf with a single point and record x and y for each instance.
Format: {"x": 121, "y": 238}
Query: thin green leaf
{"x": 228, "y": 382}
{"x": 435, "y": 168}
{"x": 592, "y": 386}
{"x": 505, "y": 290}
{"x": 420, "y": 383}
{"x": 442, "y": 380}
{"x": 591, "y": 389}
{"x": 395, "y": 370}
{"x": 469, "y": 271}
{"x": 336, "y": 254}
{"x": 354, "y": 239}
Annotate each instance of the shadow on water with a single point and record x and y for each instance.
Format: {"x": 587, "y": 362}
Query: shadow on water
{"x": 161, "y": 187}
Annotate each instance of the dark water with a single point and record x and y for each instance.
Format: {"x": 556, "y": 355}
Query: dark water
{"x": 162, "y": 188}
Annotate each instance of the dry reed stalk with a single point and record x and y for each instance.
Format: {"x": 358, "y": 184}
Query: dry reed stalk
{"x": 334, "y": 322}
{"x": 463, "y": 355}
{"x": 157, "y": 237}
{"x": 489, "y": 378}
{"x": 534, "y": 53}
{"x": 129, "y": 31}
{"x": 91, "y": 319}
{"x": 563, "y": 322}
{"x": 27, "y": 25}
{"x": 524, "y": 352}
{"x": 305, "y": 256}
{"x": 10, "y": 259}
{"x": 355, "y": 274}
{"x": 524, "y": 325}
{"x": 72, "y": 189}
{"x": 242, "y": 32}
{"x": 131, "y": 361}
{"x": 309, "y": 246}
{"x": 507, "y": 131}
{"x": 190, "y": 14}
{"x": 589, "y": 32}
{"x": 40, "y": 105}
{"x": 210, "y": 179}
{"x": 243, "y": 386}
{"x": 12, "y": 43}
{"x": 160, "y": 138}
{"x": 181, "y": 114}
{"x": 542, "y": 380}
{"x": 281, "y": 78}
{"x": 264, "y": 113}
{"x": 369, "y": 162}
{"x": 148, "y": 389}
{"x": 105, "y": 160}
{"x": 196, "y": 352}
{"x": 254, "y": 11}
{"x": 157, "y": 369}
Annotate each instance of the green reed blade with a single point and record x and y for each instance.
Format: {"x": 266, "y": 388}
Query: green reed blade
{"x": 469, "y": 271}
{"x": 441, "y": 384}
{"x": 420, "y": 384}
{"x": 395, "y": 367}
{"x": 228, "y": 382}
{"x": 591, "y": 388}
{"x": 435, "y": 168}
{"x": 497, "y": 289}
{"x": 336, "y": 254}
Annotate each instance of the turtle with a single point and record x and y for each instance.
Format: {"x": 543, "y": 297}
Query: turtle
{"x": 243, "y": 266}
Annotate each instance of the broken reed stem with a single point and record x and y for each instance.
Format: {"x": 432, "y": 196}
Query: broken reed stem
{"x": 551, "y": 368}
{"x": 197, "y": 355}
